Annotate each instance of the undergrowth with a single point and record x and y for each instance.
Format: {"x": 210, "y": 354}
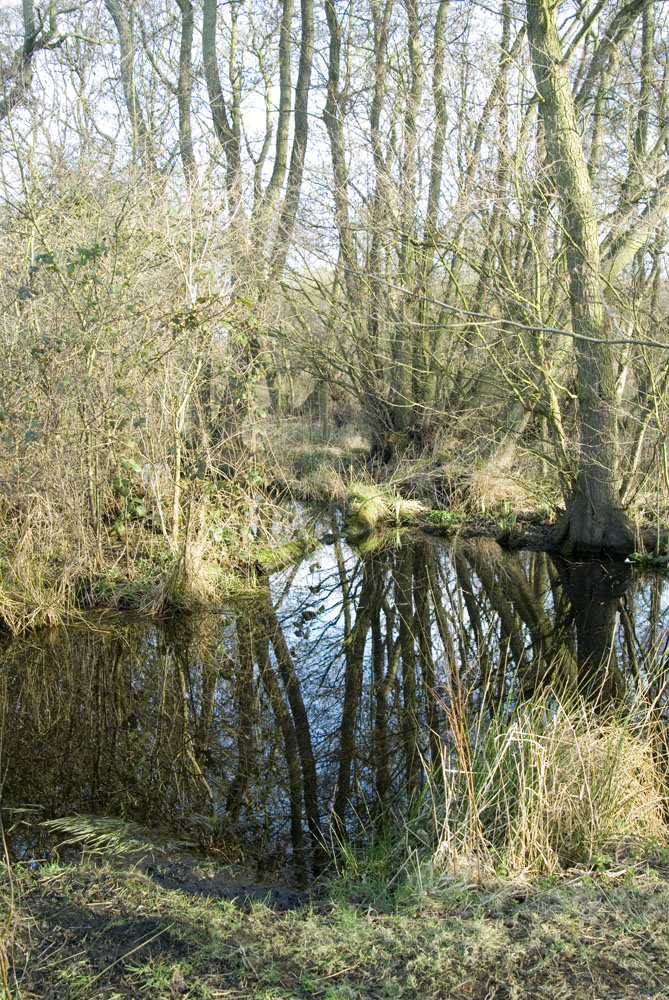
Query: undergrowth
{"x": 53, "y": 565}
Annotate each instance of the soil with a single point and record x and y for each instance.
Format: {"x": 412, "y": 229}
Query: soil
{"x": 189, "y": 875}
{"x": 527, "y": 532}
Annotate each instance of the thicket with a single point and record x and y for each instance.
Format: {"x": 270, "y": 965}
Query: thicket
{"x": 126, "y": 477}
{"x": 247, "y": 248}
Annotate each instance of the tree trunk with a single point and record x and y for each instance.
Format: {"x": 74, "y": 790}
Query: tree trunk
{"x": 300, "y": 136}
{"x": 225, "y": 120}
{"x": 142, "y": 139}
{"x": 185, "y": 90}
{"x": 266, "y": 204}
{"x": 595, "y": 520}
{"x": 16, "y": 78}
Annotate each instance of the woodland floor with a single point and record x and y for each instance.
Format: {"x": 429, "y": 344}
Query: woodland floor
{"x": 190, "y": 929}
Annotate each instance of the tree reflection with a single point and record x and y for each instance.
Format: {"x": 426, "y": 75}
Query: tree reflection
{"x": 325, "y": 699}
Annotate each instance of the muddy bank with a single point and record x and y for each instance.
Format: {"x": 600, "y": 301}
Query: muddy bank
{"x": 193, "y": 877}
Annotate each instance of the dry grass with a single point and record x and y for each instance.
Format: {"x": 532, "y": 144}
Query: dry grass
{"x": 552, "y": 786}
{"x": 314, "y": 466}
{"x": 53, "y": 564}
{"x": 491, "y": 491}
{"x": 44, "y": 555}
{"x": 326, "y": 482}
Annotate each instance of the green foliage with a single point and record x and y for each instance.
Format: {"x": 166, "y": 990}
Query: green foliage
{"x": 508, "y": 520}
{"x": 114, "y": 588}
{"x": 601, "y": 862}
{"x": 651, "y": 560}
{"x": 445, "y": 518}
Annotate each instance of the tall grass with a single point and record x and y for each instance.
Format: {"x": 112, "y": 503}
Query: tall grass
{"x": 552, "y": 783}
{"x": 41, "y": 558}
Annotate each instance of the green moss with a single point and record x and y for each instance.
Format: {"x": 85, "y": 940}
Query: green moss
{"x": 277, "y": 557}
{"x": 370, "y": 507}
{"x": 366, "y": 508}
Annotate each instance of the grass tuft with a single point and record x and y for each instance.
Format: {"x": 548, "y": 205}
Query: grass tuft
{"x": 548, "y": 786}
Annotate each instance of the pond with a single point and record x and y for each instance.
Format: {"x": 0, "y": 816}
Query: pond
{"x": 316, "y": 706}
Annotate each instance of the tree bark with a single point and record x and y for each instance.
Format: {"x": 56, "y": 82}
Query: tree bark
{"x": 185, "y": 90}
{"x": 333, "y": 116}
{"x": 268, "y": 200}
{"x": 300, "y": 136}
{"x": 226, "y": 124}
{"x": 142, "y": 139}
{"x": 19, "y": 73}
{"x": 595, "y": 520}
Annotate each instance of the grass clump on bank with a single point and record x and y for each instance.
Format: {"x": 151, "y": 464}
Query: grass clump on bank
{"x": 370, "y": 506}
{"x": 53, "y": 565}
{"x": 551, "y": 785}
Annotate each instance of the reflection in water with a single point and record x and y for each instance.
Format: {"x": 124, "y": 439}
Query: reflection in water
{"x": 323, "y": 699}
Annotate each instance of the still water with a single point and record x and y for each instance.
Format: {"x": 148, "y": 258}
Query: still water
{"x": 324, "y": 700}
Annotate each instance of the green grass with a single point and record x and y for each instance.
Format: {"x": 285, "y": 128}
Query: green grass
{"x": 445, "y": 518}
{"x": 103, "y": 932}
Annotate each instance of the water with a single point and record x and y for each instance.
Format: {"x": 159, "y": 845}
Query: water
{"x": 243, "y": 734}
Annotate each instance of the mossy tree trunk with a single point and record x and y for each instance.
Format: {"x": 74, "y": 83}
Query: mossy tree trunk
{"x": 595, "y": 520}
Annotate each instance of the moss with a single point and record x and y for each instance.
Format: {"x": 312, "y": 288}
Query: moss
{"x": 369, "y": 507}
{"x": 272, "y": 559}
{"x": 366, "y": 508}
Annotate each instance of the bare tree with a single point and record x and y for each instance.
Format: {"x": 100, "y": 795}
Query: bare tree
{"x": 39, "y": 32}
